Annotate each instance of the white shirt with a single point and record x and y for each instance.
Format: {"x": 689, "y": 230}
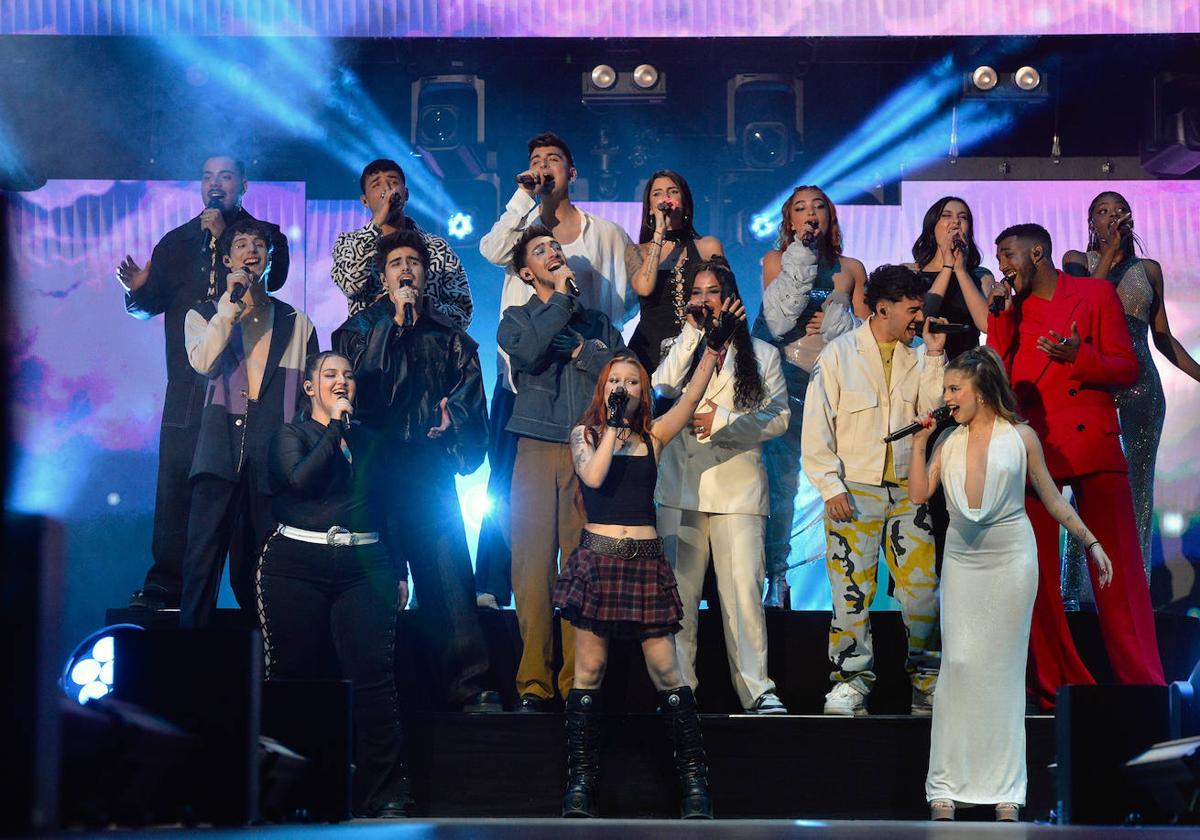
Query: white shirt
{"x": 597, "y": 256}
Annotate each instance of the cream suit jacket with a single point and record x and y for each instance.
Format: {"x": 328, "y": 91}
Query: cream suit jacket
{"x": 848, "y": 410}
{"x": 724, "y": 472}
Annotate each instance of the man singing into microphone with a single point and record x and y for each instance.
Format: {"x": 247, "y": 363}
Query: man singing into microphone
{"x": 252, "y": 350}
{"x": 1065, "y": 344}
{"x": 557, "y": 348}
{"x": 385, "y": 194}
{"x": 182, "y": 271}
{"x": 420, "y": 387}
{"x": 867, "y": 384}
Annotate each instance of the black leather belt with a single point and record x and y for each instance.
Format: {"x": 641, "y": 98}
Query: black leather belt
{"x": 627, "y": 548}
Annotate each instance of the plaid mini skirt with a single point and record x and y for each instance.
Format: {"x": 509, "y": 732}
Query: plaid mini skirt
{"x": 627, "y": 595}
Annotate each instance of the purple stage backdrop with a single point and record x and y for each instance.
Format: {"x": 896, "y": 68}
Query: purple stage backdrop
{"x": 597, "y": 18}
{"x": 88, "y": 379}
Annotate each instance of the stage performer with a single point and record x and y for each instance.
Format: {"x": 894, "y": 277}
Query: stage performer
{"x": 601, "y": 256}
{"x": 1142, "y": 407}
{"x": 385, "y": 195}
{"x": 328, "y": 588}
{"x": 1065, "y": 344}
{"x": 420, "y": 388}
{"x": 712, "y": 490}
{"x": 252, "y": 349}
{"x": 946, "y": 256}
{"x": 812, "y": 293}
{"x": 667, "y": 242}
{"x": 988, "y": 583}
{"x": 617, "y": 584}
{"x": 867, "y": 384}
{"x": 557, "y": 348}
{"x": 182, "y": 271}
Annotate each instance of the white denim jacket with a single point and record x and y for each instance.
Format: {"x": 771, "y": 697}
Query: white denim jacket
{"x": 848, "y": 410}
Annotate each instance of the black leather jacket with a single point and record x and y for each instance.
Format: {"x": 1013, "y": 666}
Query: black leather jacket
{"x": 402, "y": 375}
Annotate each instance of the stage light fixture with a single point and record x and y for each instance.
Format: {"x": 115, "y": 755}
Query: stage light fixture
{"x": 447, "y": 123}
{"x": 88, "y": 673}
{"x": 764, "y": 116}
{"x": 460, "y": 225}
{"x": 762, "y": 226}
{"x": 645, "y": 76}
{"x": 985, "y": 78}
{"x": 1027, "y": 78}
{"x": 473, "y": 203}
{"x": 603, "y": 76}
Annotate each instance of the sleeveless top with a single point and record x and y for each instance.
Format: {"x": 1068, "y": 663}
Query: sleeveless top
{"x": 1133, "y": 286}
{"x": 954, "y": 309}
{"x": 627, "y": 495}
{"x": 1003, "y": 483}
{"x": 664, "y": 309}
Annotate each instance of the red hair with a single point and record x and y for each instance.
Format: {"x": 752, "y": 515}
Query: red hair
{"x": 595, "y": 416}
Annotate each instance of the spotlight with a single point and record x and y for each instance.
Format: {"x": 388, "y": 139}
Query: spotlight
{"x": 603, "y": 76}
{"x": 447, "y": 123}
{"x": 475, "y": 504}
{"x": 1173, "y": 524}
{"x": 985, "y": 78}
{"x": 762, "y": 226}
{"x": 764, "y": 116}
{"x": 88, "y": 673}
{"x": 460, "y": 225}
{"x": 645, "y": 76}
{"x": 1027, "y": 78}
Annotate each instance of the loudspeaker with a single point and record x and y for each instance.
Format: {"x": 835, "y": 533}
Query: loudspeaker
{"x": 313, "y": 718}
{"x": 1097, "y": 729}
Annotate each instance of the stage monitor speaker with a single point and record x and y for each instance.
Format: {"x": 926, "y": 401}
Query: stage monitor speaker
{"x": 313, "y": 718}
{"x": 1170, "y": 772}
{"x": 1097, "y": 729}
{"x": 209, "y": 683}
{"x": 30, "y": 608}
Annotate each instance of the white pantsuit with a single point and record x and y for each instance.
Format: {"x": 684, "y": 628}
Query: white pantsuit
{"x": 713, "y": 492}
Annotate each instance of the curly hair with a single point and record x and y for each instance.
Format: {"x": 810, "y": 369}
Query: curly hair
{"x": 894, "y": 283}
{"x": 748, "y": 390}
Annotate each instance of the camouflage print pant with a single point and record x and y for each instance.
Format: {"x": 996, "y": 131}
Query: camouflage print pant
{"x": 852, "y": 561}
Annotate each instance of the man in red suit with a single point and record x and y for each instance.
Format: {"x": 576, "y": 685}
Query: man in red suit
{"x": 1065, "y": 344}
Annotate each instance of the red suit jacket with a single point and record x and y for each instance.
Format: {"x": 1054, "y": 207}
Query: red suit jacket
{"x": 1070, "y": 406}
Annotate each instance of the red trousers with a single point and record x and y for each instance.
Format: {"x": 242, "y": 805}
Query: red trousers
{"x": 1126, "y": 618}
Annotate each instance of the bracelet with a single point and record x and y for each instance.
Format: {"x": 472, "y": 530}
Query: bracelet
{"x": 1093, "y": 544}
{"x": 656, "y": 242}
{"x": 947, "y": 266}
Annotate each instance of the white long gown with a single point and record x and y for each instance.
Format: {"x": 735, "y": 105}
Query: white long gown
{"x": 989, "y": 579}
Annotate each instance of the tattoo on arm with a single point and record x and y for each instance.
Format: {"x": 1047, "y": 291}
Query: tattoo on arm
{"x": 581, "y": 450}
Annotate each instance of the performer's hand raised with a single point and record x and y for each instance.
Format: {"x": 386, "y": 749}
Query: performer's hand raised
{"x": 934, "y": 342}
{"x": 1060, "y": 348}
{"x": 130, "y": 276}
{"x": 928, "y": 425}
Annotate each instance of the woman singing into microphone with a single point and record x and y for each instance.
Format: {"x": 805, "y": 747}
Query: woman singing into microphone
{"x": 328, "y": 592}
{"x": 618, "y": 584}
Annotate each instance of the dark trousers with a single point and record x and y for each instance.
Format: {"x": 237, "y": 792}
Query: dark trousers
{"x": 329, "y": 612}
{"x": 1126, "y": 618}
{"x": 425, "y": 529}
{"x": 226, "y": 517}
{"x": 493, "y": 554}
{"x": 173, "y": 501}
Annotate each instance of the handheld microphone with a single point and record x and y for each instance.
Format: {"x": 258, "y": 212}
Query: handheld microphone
{"x": 527, "y": 180}
{"x": 810, "y": 236}
{"x": 949, "y": 329}
{"x": 347, "y": 423}
{"x": 667, "y": 207}
{"x": 939, "y": 414}
{"x": 240, "y": 291}
{"x": 572, "y": 288}
{"x": 408, "y": 310}
{"x": 958, "y": 243}
{"x": 996, "y": 304}
{"x": 214, "y": 203}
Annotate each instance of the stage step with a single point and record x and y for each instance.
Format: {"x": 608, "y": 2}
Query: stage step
{"x": 787, "y": 767}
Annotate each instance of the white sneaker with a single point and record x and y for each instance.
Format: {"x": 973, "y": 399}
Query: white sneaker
{"x": 846, "y": 699}
{"x": 768, "y": 704}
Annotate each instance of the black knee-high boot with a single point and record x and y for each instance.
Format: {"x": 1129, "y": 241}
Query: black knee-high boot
{"x": 583, "y": 752}
{"x": 679, "y": 707}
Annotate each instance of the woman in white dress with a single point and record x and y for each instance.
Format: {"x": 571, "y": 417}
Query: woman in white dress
{"x": 989, "y": 579}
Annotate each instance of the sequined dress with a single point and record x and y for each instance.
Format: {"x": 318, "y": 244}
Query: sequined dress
{"x": 989, "y": 580}
{"x": 794, "y": 505}
{"x": 1142, "y": 408}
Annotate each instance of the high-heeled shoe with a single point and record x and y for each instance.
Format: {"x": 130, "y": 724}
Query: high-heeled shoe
{"x": 941, "y": 810}
{"x": 1008, "y": 812}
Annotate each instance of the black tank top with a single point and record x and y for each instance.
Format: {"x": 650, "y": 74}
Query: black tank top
{"x": 627, "y": 495}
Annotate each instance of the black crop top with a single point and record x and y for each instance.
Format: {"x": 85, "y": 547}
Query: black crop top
{"x": 627, "y": 495}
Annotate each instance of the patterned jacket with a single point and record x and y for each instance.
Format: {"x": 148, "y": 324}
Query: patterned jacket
{"x": 356, "y": 274}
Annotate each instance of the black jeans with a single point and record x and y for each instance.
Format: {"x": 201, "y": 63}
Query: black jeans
{"x": 225, "y": 516}
{"x": 425, "y": 528}
{"x": 173, "y": 492}
{"x": 329, "y": 612}
{"x": 493, "y": 554}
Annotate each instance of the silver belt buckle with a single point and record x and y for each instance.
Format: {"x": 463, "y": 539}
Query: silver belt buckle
{"x": 626, "y": 548}
{"x": 332, "y": 535}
